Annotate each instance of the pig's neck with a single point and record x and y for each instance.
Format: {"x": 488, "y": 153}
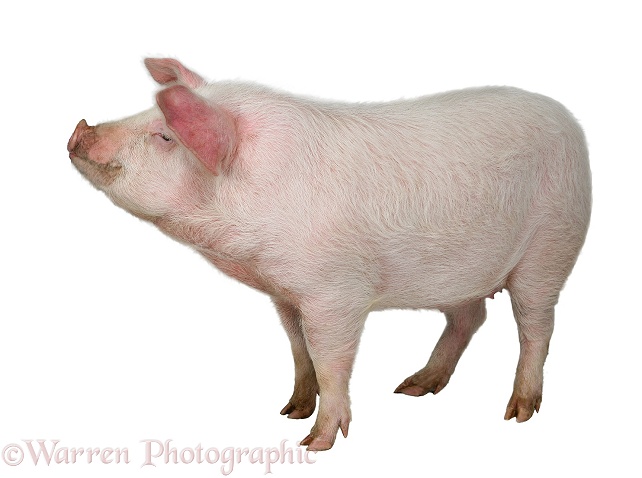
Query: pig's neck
{"x": 221, "y": 242}
{"x": 202, "y": 232}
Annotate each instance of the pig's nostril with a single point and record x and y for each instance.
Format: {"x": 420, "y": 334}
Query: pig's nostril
{"x": 75, "y": 137}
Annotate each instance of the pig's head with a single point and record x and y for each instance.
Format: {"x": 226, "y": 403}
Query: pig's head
{"x": 160, "y": 160}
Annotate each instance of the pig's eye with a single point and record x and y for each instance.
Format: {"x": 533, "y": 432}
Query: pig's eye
{"x": 163, "y": 141}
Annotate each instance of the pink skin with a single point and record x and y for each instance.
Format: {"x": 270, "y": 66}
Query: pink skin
{"x": 168, "y": 70}
{"x": 207, "y": 131}
{"x": 323, "y": 329}
{"x": 74, "y": 141}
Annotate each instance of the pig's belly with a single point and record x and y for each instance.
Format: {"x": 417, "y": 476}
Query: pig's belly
{"x": 438, "y": 273}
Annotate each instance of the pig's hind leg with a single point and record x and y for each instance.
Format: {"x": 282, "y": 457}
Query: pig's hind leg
{"x": 534, "y": 286}
{"x": 534, "y": 314}
{"x": 304, "y": 398}
{"x": 462, "y": 323}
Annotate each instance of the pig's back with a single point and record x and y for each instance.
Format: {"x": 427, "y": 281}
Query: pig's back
{"x": 434, "y": 199}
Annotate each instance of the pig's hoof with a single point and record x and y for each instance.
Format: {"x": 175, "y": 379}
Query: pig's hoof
{"x": 522, "y": 408}
{"x": 324, "y": 431}
{"x": 293, "y": 410}
{"x": 422, "y": 383}
{"x": 317, "y": 444}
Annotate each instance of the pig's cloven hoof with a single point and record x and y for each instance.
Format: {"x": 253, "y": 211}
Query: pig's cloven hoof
{"x": 522, "y": 408}
{"x": 320, "y": 441}
{"x": 303, "y": 401}
{"x": 423, "y": 382}
{"x": 299, "y": 410}
{"x": 317, "y": 444}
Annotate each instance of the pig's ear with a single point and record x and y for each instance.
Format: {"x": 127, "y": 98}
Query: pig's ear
{"x": 205, "y": 129}
{"x": 168, "y": 70}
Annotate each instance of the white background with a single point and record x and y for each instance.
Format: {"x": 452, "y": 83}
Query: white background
{"x": 111, "y": 333}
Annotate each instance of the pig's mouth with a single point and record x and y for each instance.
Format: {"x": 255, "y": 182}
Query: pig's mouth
{"x": 99, "y": 174}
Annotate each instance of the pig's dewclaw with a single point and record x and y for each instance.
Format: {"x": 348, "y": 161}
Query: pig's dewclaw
{"x": 423, "y": 382}
{"x": 522, "y": 408}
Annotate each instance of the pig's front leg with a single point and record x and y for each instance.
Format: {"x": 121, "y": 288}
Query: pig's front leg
{"x": 462, "y": 323}
{"x": 332, "y": 338}
{"x": 304, "y": 398}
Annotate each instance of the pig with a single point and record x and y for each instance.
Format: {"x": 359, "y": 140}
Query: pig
{"x": 335, "y": 210}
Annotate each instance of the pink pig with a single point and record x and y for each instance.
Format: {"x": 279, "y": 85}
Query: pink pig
{"x": 335, "y": 210}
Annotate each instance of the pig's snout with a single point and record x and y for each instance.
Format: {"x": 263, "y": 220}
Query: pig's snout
{"x": 81, "y": 140}
{"x": 93, "y": 153}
